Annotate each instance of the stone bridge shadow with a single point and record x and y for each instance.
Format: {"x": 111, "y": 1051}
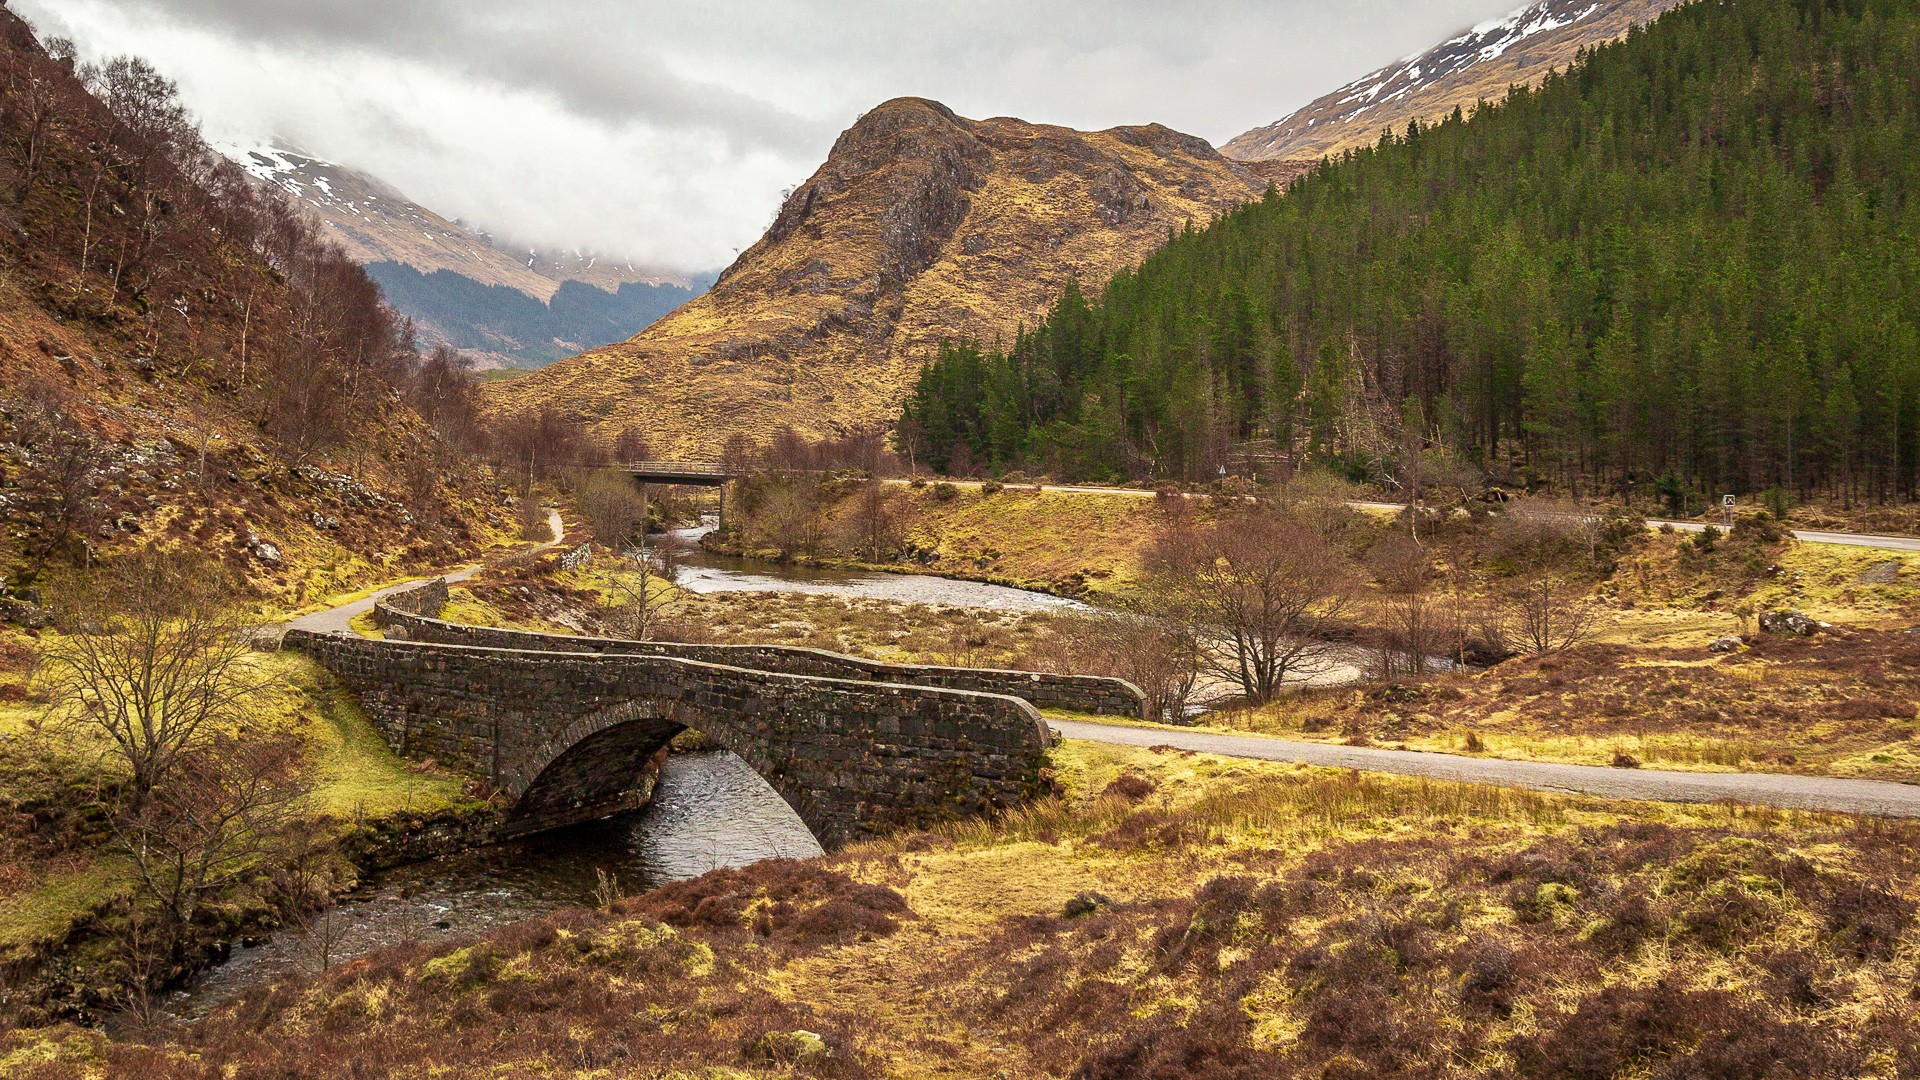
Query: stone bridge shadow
{"x": 565, "y": 734}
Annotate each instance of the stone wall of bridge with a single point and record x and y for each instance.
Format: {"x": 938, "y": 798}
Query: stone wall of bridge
{"x": 1076, "y": 693}
{"x": 563, "y": 734}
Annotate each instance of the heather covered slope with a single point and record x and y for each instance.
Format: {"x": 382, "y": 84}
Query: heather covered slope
{"x": 921, "y": 226}
{"x": 1173, "y": 917}
{"x": 1478, "y": 65}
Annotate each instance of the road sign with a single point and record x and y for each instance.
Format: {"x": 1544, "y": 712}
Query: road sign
{"x": 1726, "y": 500}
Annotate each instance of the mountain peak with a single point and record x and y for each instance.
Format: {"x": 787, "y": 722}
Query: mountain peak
{"x": 921, "y": 226}
{"x": 1477, "y": 64}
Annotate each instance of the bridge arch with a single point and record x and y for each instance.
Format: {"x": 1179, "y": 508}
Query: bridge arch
{"x": 563, "y": 734}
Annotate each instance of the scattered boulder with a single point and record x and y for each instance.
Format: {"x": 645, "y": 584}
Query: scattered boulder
{"x": 1725, "y": 644}
{"x": 1788, "y": 622}
{"x": 1885, "y": 573}
{"x": 25, "y": 614}
{"x": 262, "y": 550}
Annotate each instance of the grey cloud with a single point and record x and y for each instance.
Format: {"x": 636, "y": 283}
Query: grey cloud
{"x": 666, "y": 130}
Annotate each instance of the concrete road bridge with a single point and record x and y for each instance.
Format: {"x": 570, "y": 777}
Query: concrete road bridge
{"x": 563, "y": 726}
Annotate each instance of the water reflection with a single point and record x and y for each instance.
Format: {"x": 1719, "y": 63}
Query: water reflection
{"x": 710, "y": 810}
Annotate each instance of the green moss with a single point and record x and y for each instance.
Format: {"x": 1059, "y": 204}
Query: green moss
{"x": 45, "y": 912}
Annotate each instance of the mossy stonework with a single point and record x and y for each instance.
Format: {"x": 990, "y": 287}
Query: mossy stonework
{"x": 564, "y": 735}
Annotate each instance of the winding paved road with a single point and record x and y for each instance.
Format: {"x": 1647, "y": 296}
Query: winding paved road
{"x": 1880, "y": 543}
{"x": 335, "y": 620}
{"x": 1788, "y": 792}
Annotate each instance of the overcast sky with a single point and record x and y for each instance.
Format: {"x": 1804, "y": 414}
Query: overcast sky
{"x": 666, "y": 131}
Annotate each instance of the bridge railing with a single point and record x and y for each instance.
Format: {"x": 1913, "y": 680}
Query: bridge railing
{"x": 712, "y": 470}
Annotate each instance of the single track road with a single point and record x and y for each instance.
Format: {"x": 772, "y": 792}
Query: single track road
{"x": 1819, "y": 793}
{"x": 337, "y": 620}
{"x": 1879, "y": 543}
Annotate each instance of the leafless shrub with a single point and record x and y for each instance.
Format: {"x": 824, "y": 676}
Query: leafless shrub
{"x": 612, "y": 504}
{"x": 872, "y": 527}
{"x": 791, "y": 517}
{"x": 220, "y": 820}
{"x": 1260, "y": 591}
{"x": 1161, "y": 655}
{"x": 1541, "y": 615}
{"x": 1537, "y": 534}
{"x": 649, "y": 596}
{"x": 320, "y": 939}
{"x": 57, "y": 487}
{"x": 154, "y": 665}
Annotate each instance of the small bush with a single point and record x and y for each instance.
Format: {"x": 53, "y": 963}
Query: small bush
{"x": 1130, "y": 786}
{"x": 944, "y": 492}
{"x": 992, "y": 487}
{"x": 1866, "y": 921}
{"x": 1631, "y": 922}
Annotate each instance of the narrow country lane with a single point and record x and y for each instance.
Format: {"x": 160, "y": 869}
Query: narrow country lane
{"x": 1874, "y": 797}
{"x": 335, "y": 620}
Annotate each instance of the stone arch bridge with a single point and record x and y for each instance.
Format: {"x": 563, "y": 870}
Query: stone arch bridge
{"x": 563, "y": 725}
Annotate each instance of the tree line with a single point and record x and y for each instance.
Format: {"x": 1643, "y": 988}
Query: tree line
{"x": 1684, "y": 265}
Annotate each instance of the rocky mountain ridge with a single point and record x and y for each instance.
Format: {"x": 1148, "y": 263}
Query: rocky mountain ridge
{"x": 1480, "y": 63}
{"x": 921, "y": 226}
{"x": 374, "y": 222}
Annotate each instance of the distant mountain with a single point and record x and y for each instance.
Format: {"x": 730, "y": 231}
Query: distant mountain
{"x": 497, "y": 321}
{"x": 921, "y": 227}
{"x": 506, "y": 304}
{"x": 1480, "y": 63}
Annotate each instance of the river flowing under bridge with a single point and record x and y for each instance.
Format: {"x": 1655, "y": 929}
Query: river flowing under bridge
{"x": 562, "y": 726}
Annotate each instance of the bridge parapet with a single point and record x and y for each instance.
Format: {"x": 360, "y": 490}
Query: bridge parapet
{"x": 1077, "y": 693}
{"x": 565, "y": 733}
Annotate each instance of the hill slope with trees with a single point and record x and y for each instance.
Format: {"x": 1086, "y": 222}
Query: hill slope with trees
{"x": 183, "y": 356}
{"x": 1683, "y": 265}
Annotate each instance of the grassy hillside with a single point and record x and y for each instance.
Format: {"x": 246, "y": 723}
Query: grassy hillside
{"x": 183, "y": 360}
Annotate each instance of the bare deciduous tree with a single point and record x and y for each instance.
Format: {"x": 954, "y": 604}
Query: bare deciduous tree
{"x": 1545, "y": 614}
{"x": 57, "y": 485}
{"x": 1260, "y": 591}
{"x": 872, "y": 528}
{"x": 649, "y": 591}
{"x": 1536, "y": 534}
{"x": 612, "y": 504}
{"x": 792, "y": 519}
{"x": 156, "y": 663}
{"x": 1162, "y": 656}
{"x": 221, "y": 819}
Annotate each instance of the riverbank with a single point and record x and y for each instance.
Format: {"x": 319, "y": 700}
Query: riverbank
{"x": 1170, "y": 907}
{"x": 64, "y": 890}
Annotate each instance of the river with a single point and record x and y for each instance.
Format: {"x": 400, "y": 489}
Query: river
{"x": 702, "y": 571}
{"x": 710, "y": 810}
